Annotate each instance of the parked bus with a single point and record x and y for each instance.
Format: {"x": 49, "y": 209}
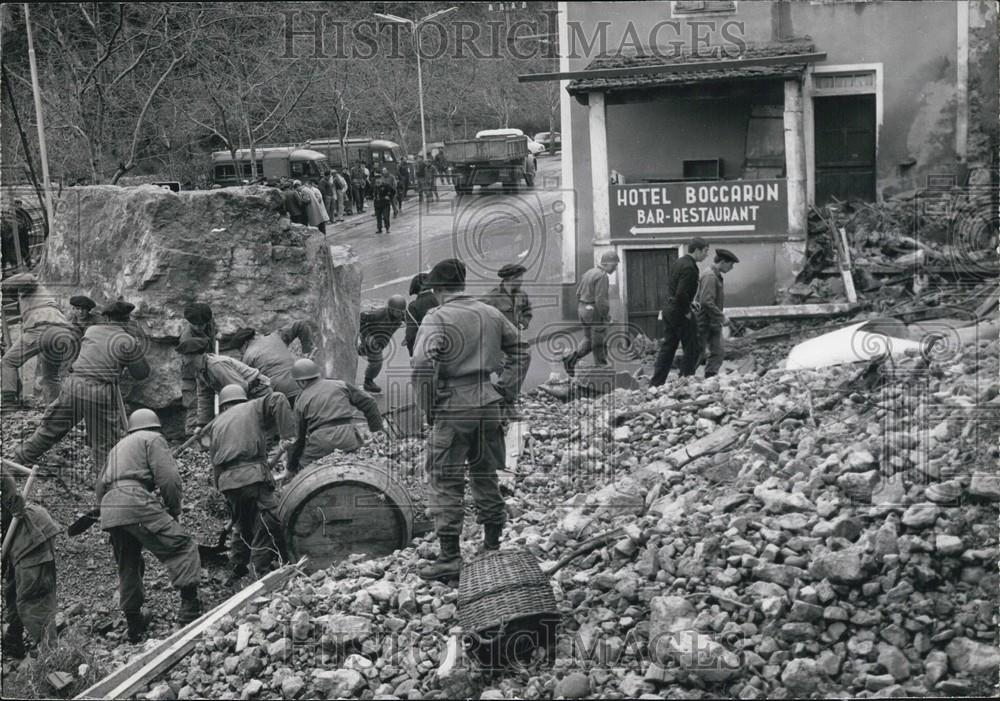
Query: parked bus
{"x": 273, "y": 163}
{"x": 376, "y": 154}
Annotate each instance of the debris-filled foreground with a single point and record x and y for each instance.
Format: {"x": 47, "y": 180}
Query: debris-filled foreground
{"x": 844, "y": 542}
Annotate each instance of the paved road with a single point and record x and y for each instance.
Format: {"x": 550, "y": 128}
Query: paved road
{"x": 486, "y": 229}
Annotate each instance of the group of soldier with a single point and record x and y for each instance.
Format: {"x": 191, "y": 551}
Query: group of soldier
{"x": 267, "y": 396}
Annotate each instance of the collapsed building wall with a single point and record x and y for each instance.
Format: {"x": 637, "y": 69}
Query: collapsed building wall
{"x": 161, "y": 251}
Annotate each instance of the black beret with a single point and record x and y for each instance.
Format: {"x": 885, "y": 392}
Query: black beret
{"x": 511, "y": 270}
{"x": 723, "y": 255}
{"x": 82, "y": 302}
{"x": 198, "y": 313}
{"x": 118, "y": 309}
{"x": 417, "y": 283}
{"x": 192, "y": 346}
{"x": 237, "y": 338}
{"x": 448, "y": 274}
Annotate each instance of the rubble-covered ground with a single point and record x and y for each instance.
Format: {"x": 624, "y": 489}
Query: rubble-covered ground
{"x": 844, "y": 545}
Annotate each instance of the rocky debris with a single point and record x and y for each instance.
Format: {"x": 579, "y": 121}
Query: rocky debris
{"x": 161, "y": 250}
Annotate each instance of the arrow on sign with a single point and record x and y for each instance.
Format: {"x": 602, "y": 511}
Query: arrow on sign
{"x": 688, "y": 229}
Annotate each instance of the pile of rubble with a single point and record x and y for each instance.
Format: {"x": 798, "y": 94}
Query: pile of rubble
{"x": 828, "y": 545}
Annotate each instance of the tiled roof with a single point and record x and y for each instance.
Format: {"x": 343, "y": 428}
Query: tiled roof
{"x": 706, "y": 55}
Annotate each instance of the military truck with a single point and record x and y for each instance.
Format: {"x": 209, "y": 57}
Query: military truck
{"x": 494, "y": 156}
{"x": 273, "y": 163}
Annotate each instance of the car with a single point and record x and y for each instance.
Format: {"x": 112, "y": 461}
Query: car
{"x": 552, "y": 140}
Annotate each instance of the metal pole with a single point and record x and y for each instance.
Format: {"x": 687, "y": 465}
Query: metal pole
{"x": 41, "y": 122}
{"x": 420, "y": 90}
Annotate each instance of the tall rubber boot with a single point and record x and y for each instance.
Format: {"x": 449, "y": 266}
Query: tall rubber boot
{"x": 449, "y": 563}
{"x": 569, "y": 364}
{"x": 491, "y": 536}
{"x": 137, "y": 624}
{"x": 13, "y": 641}
{"x": 190, "y": 609}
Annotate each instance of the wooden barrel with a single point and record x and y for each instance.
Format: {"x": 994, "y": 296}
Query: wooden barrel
{"x": 333, "y": 510}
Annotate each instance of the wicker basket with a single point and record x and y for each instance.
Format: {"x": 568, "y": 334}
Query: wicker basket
{"x": 503, "y": 594}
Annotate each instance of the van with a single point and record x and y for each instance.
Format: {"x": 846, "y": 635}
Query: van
{"x": 273, "y": 163}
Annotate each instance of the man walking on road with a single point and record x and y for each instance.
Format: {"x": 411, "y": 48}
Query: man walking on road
{"x": 359, "y": 185}
{"x": 594, "y": 309}
{"x": 459, "y": 343}
{"x": 238, "y": 448}
{"x": 678, "y": 317}
{"x": 382, "y": 197}
{"x": 90, "y": 393}
{"x": 135, "y": 519}
{"x": 390, "y": 180}
{"x": 325, "y": 415}
{"x": 376, "y": 330}
{"x": 710, "y": 315}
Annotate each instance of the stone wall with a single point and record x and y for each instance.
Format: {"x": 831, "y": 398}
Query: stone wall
{"x": 161, "y": 251}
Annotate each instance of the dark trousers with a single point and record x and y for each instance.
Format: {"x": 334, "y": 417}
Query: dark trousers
{"x": 53, "y": 344}
{"x": 168, "y": 542}
{"x": 683, "y": 332}
{"x": 458, "y": 438}
{"x": 382, "y": 215}
{"x": 258, "y": 538}
{"x": 595, "y": 330}
{"x": 374, "y": 356}
{"x": 358, "y": 197}
{"x": 29, "y": 595}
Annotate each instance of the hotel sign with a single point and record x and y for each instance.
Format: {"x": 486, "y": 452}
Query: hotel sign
{"x": 716, "y": 209}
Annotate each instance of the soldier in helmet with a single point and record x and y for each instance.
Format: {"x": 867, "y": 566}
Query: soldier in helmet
{"x": 213, "y": 372}
{"x": 594, "y": 309}
{"x": 270, "y": 354}
{"x": 458, "y": 344}
{"x": 139, "y": 465}
{"x": 238, "y": 448}
{"x": 376, "y": 330}
{"x": 324, "y": 414}
{"x": 29, "y": 591}
{"x": 89, "y": 394}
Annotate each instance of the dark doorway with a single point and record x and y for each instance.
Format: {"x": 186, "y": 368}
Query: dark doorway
{"x": 646, "y": 286}
{"x": 844, "y": 128}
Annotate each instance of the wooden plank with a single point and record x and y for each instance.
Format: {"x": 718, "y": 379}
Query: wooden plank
{"x": 845, "y": 267}
{"x": 148, "y": 666}
{"x": 514, "y": 439}
{"x": 792, "y": 310}
{"x": 712, "y": 443}
{"x": 726, "y": 64}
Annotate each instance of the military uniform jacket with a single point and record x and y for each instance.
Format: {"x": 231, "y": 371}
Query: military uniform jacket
{"x": 105, "y": 349}
{"x": 466, "y": 339}
{"x": 35, "y": 527}
{"x": 415, "y": 313}
{"x": 515, "y": 306}
{"x": 377, "y": 328}
{"x": 221, "y": 370}
{"x": 38, "y": 304}
{"x": 593, "y": 290}
{"x": 383, "y": 193}
{"x": 238, "y": 443}
{"x": 189, "y": 332}
{"x": 140, "y": 463}
{"x": 323, "y": 409}
{"x": 271, "y": 356}
{"x": 682, "y": 285}
{"x": 711, "y": 297}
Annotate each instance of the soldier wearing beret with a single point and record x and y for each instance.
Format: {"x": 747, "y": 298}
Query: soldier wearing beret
{"x": 81, "y": 312}
{"x": 90, "y": 393}
{"x": 269, "y": 353}
{"x": 45, "y": 332}
{"x": 710, "y": 316}
{"x": 458, "y": 344}
{"x": 201, "y": 325}
{"x": 417, "y": 309}
{"x": 512, "y": 301}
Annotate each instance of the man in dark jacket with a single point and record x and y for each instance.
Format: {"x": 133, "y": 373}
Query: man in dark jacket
{"x": 678, "y": 317}
{"x": 510, "y": 299}
{"x": 418, "y": 308}
{"x": 29, "y": 590}
{"x": 201, "y": 325}
{"x": 383, "y": 195}
{"x": 297, "y": 203}
{"x": 376, "y": 330}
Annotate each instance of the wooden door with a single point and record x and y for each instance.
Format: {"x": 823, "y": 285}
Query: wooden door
{"x": 845, "y": 148}
{"x": 646, "y": 273}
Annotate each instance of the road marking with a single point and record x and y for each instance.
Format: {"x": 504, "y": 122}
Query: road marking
{"x": 389, "y": 282}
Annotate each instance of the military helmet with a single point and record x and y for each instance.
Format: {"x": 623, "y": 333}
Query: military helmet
{"x": 305, "y": 369}
{"x": 397, "y": 302}
{"x": 232, "y": 393}
{"x": 143, "y": 418}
